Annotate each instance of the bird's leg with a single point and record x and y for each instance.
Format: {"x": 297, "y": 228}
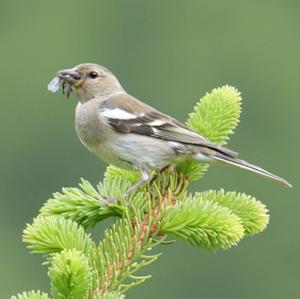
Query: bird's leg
{"x": 145, "y": 177}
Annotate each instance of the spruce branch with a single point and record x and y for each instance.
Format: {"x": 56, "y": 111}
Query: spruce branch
{"x": 112, "y": 295}
{"x": 253, "y": 214}
{"x": 31, "y": 295}
{"x": 202, "y": 223}
{"x": 120, "y": 258}
{"x": 48, "y": 235}
{"x": 126, "y": 246}
{"x": 85, "y": 204}
{"x": 215, "y": 117}
{"x": 81, "y": 269}
{"x": 217, "y": 114}
{"x": 70, "y": 275}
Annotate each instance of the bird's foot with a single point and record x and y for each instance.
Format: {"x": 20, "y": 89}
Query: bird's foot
{"x": 108, "y": 201}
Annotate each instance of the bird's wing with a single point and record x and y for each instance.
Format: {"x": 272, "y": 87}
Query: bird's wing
{"x": 126, "y": 114}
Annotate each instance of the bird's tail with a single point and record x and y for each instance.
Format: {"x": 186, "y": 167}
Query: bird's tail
{"x": 251, "y": 167}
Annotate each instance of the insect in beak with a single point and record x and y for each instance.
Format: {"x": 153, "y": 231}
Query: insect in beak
{"x": 69, "y": 78}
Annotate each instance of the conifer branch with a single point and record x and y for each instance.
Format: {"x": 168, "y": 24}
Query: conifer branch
{"x": 81, "y": 269}
{"x": 70, "y": 275}
{"x": 215, "y": 117}
{"x": 31, "y": 295}
{"x": 202, "y": 223}
{"x": 252, "y": 213}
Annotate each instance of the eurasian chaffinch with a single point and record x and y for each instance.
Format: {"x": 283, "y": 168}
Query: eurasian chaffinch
{"x": 128, "y": 133}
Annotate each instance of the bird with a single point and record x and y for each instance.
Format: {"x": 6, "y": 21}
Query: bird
{"x": 124, "y": 131}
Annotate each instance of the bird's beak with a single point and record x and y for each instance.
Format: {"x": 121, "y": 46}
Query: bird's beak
{"x": 70, "y": 76}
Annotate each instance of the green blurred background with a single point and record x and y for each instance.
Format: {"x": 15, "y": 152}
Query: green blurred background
{"x": 168, "y": 53}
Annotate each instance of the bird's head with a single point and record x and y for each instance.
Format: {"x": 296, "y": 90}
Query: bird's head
{"x": 89, "y": 80}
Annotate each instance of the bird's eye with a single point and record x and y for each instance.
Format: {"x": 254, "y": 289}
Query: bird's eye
{"x": 93, "y": 74}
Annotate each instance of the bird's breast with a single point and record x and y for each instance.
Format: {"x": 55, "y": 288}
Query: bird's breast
{"x": 90, "y": 130}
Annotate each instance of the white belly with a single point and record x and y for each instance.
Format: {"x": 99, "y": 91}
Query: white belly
{"x": 135, "y": 151}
